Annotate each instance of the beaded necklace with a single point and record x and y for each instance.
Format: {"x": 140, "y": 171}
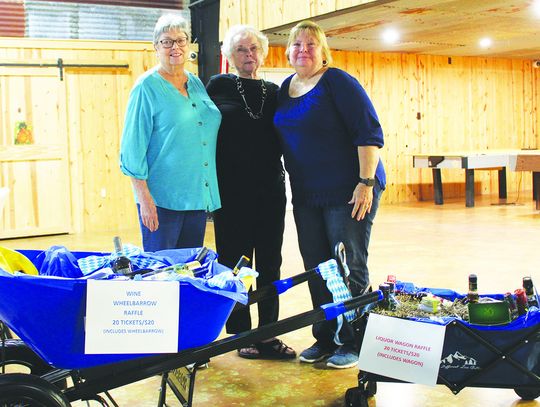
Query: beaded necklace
{"x": 243, "y": 95}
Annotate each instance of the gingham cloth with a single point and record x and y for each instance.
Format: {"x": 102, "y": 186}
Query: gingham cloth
{"x": 330, "y": 273}
{"x": 134, "y": 253}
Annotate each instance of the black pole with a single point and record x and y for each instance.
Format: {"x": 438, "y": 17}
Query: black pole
{"x": 205, "y": 32}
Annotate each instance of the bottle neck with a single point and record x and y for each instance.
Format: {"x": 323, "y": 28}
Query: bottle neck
{"x": 118, "y": 246}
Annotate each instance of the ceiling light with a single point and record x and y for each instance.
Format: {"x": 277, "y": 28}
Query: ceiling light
{"x": 390, "y": 36}
{"x": 536, "y": 7}
{"x": 485, "y": 42}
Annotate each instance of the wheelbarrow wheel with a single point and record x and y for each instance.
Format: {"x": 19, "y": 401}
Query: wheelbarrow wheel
{"x": 5, "y": 333}
{"x": 20, "y": 389}
{"x": 17, "y": 357}
{"x": 528, "y": 393}
{"x": 354, "y": 397}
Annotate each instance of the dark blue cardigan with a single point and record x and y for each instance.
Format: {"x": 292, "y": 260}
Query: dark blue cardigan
{"x": 320, "y": 132}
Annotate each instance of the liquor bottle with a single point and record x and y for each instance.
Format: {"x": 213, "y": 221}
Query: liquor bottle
{"x": 243, "y": 262}
{"x": 528, "y": 286}
{"x": 521, "y": 301}
{"x": 393, "y": 302}
{"x": 385, "y": 289}
{"x": 512, "y": 306}
{"x": 120, "y": 264}
{"x": 472, "y": 295}
{"x": 391, "y": 279}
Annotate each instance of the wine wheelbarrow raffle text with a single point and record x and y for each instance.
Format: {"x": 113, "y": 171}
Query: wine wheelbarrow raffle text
{"x": 132, "y": 317}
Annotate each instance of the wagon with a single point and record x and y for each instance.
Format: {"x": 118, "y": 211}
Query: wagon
{"x": 503, "y": 356}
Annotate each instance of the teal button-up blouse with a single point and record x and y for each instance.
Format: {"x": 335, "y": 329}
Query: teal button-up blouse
{"x": 169, "y": 140}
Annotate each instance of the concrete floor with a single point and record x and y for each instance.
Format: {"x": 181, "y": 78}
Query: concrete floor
{"x": 436, "y": 246}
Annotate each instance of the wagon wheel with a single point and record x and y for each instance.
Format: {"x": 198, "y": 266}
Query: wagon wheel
{"x": 371, "y": 389}
{"x": 528, "y": 393}
{"x": 354, "y": 397}
{"x": 24, "y": 390}
{"x": 17, "y": 357}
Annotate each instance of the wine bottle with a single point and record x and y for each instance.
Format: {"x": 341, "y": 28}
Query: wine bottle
{"x": 521, "y": 301}
{"x": 198, "y": 261}
{"x": 120, "y": 264}
{"x": 243, "y": 262}
{"x": 384, "y": 288}
{"x": 472, "y": 295}
{"x": 190, "y": 267}
{"x": 512, "y": 306}
{"x": 391, "y": 280}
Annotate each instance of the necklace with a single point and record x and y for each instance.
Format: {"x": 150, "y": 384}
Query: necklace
{"x": 243, "y": 95}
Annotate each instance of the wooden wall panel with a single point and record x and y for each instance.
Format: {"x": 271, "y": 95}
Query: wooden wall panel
{"x": 424, "y": 103}
{"x": 95, "y": 100}
{"x": 435, "y": 104}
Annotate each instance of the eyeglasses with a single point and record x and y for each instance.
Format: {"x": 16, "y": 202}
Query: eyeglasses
{"x": 169, "y": 43}
{"x": 253, "y": 50}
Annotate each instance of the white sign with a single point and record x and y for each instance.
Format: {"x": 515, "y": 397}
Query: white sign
{"x": 132, "y": 317}
{"x": 402, "y": 349}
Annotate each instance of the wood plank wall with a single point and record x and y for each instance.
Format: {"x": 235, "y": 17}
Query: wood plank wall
{"x": 101, "y": 197}
{"x": 265, "y": 14}
{"x": 436, "y": 103}
{"x": 470, "y": 103}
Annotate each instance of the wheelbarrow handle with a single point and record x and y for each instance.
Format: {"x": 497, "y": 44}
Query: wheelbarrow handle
{"x": 279, "y": 287}
{"x": 101, "y": 378}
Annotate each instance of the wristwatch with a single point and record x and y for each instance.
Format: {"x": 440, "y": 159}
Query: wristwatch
{"x": 367, "y": 181}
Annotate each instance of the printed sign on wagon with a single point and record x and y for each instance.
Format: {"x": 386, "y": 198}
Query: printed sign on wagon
{"x": 132, "y": 317}
{"x": 402, "y": 349}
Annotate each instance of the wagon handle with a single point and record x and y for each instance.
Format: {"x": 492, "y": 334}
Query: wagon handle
{"x": 332, "y": 310}
{"x": 341, "y": 259}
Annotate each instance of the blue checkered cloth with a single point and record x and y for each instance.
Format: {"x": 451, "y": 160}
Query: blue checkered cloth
{"x": 138, "y": 257}
{"x": 330, "y": 273}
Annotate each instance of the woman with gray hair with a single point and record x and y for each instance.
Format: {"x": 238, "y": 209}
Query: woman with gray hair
{"x": 251, "y": 220}
{"x": 169, "y": 143}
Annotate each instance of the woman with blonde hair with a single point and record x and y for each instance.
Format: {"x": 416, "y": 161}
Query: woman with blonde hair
{"x": 331, "y": 138}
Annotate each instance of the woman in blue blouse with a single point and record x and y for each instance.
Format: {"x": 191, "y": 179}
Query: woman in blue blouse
{"x": 168, "y": 145}
{"x": 331, "y": 138}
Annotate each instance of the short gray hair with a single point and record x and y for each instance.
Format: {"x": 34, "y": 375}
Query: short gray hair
{"x": 171, "y": 22}
{"x": 240, "y": 31}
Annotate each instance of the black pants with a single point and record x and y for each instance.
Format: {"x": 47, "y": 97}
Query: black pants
{"x": 252, "y": 226}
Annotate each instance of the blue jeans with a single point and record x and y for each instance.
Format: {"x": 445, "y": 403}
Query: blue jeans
{"x": 177, "y": 230}
{"x": 319, "y": 230}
